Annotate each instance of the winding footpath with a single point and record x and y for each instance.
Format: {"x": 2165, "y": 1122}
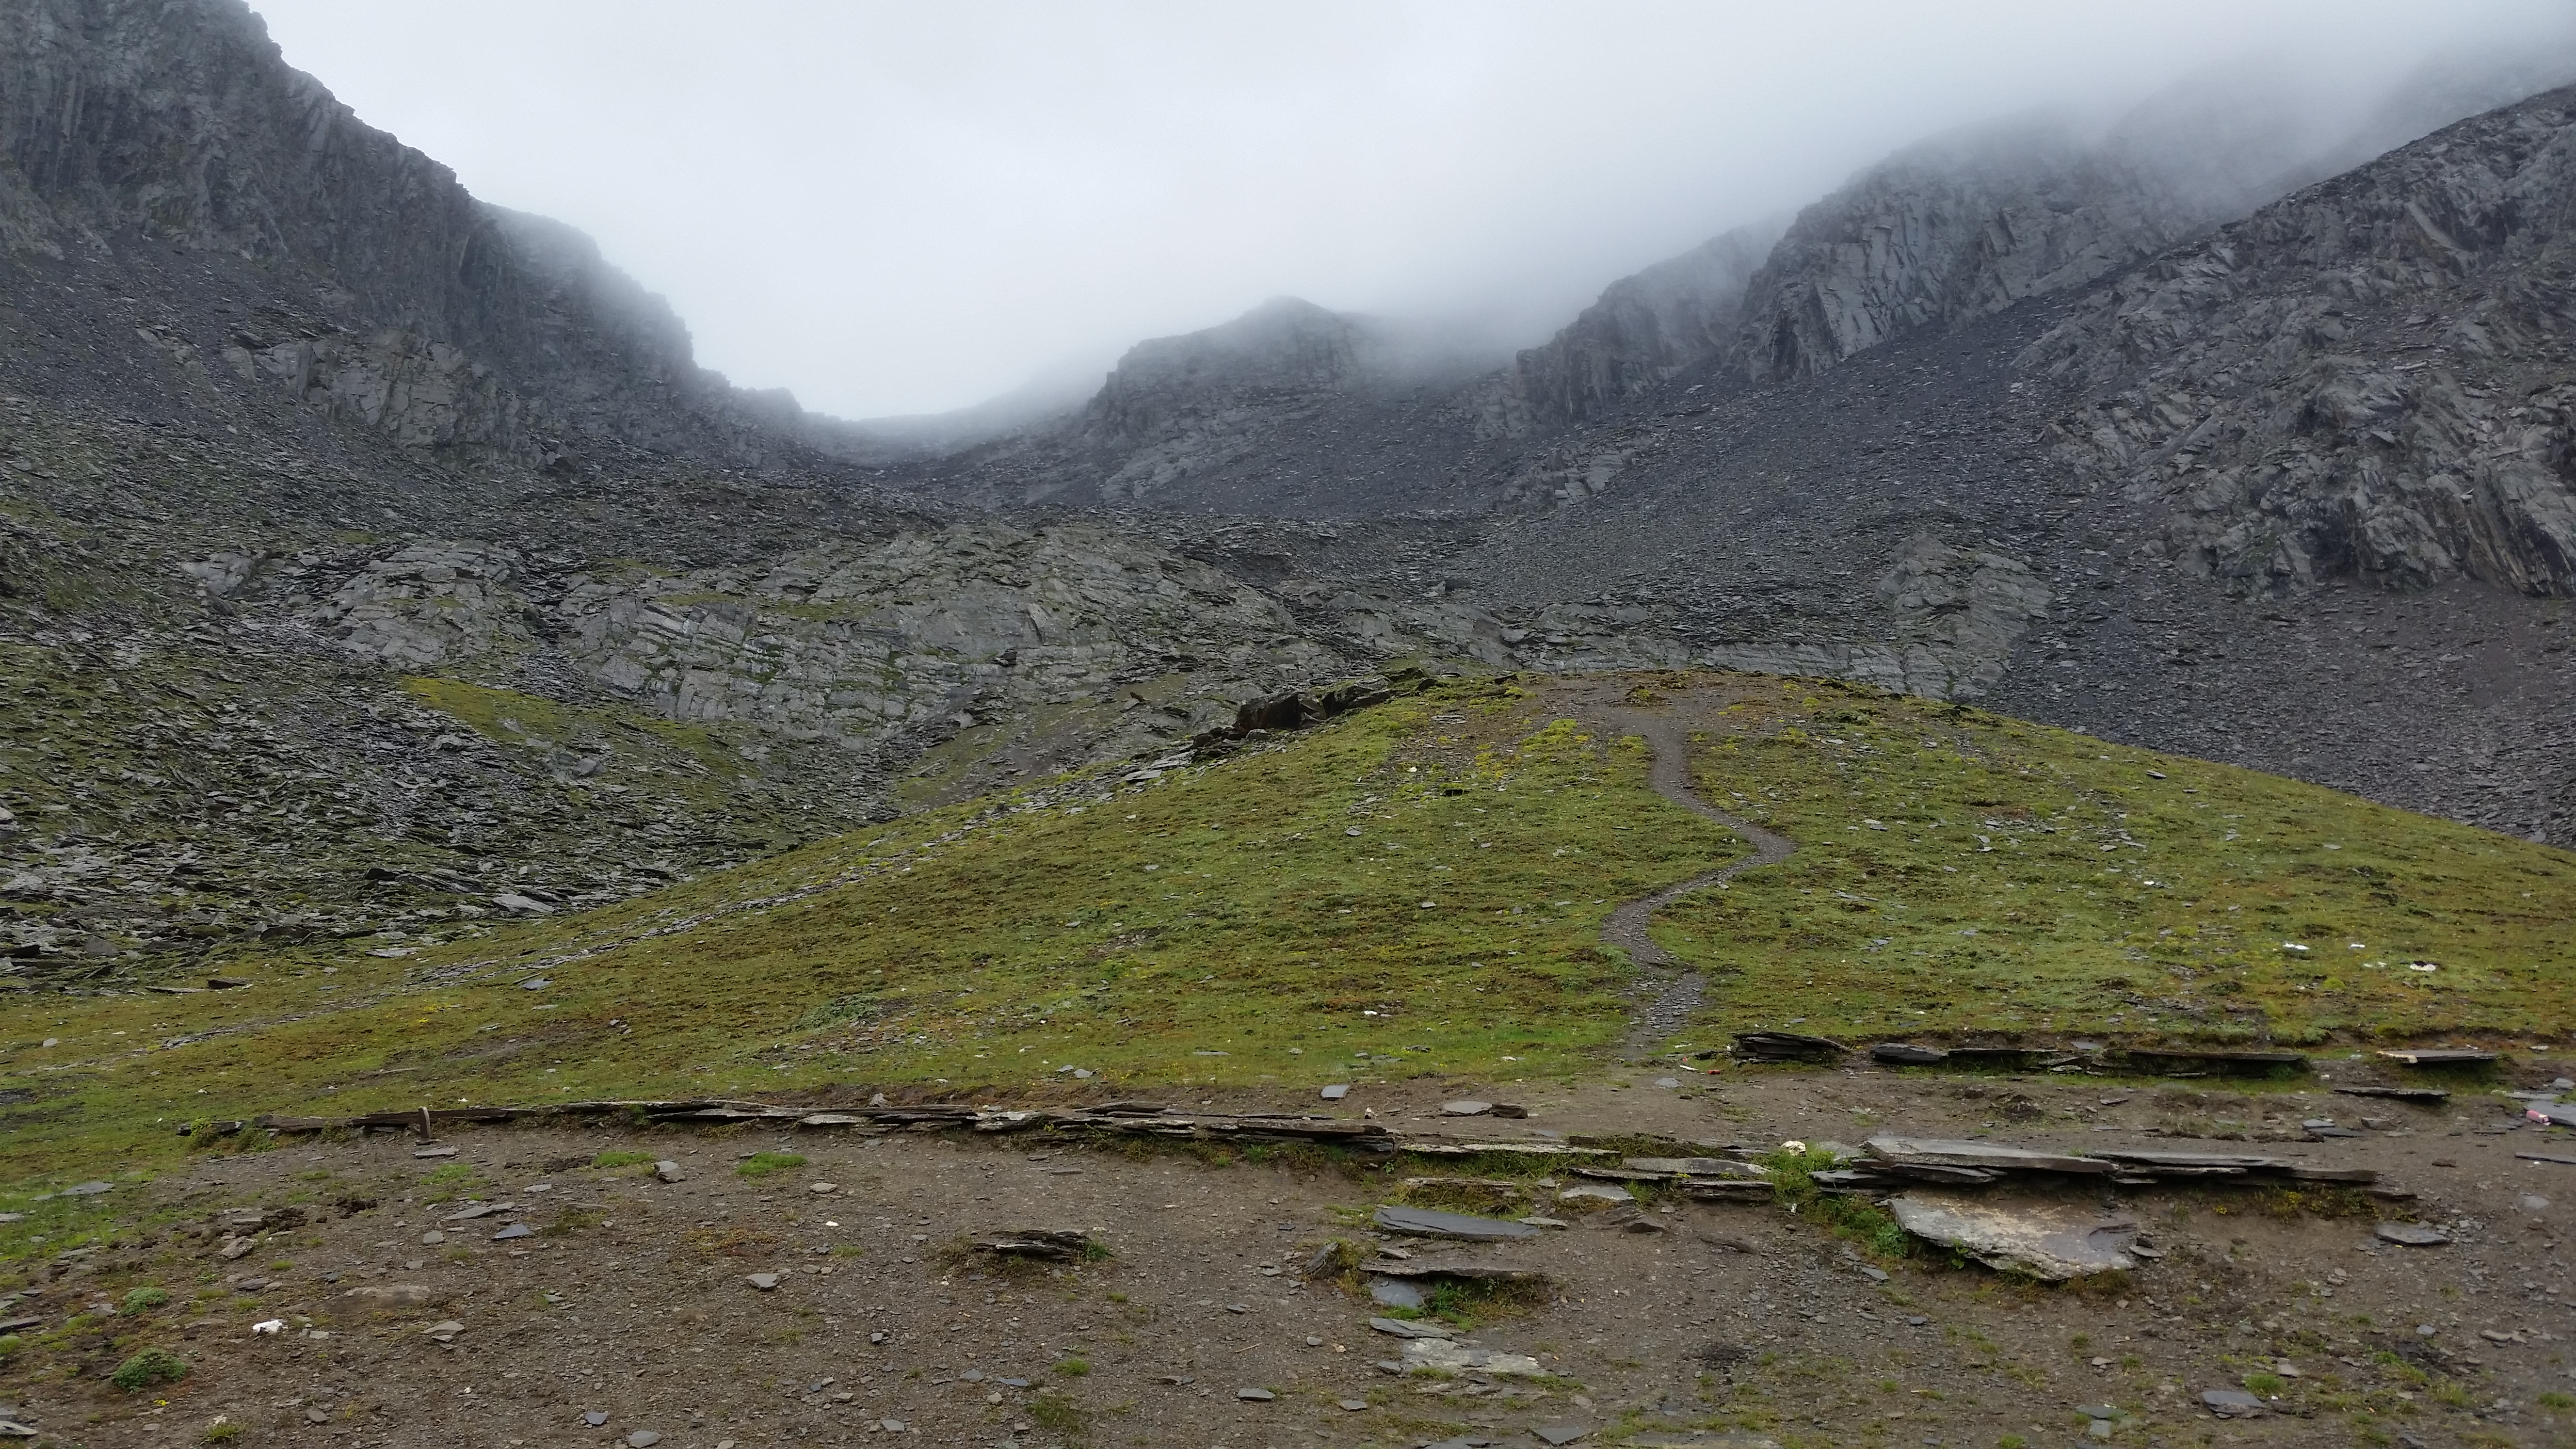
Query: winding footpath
{"x": 1671, "y": 991}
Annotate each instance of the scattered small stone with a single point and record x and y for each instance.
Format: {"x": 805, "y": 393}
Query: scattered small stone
{"x": 514, "y": 1230}
{"x": 1468, "y": 1107}
{"x": 1560, "y": 1433}
{"x": 822, "y": 1189}
{"x": 1337, "y": 1091}
{"x": 434, "y": 1152}
{"x": 1255, "y": 1396}
{"x": 642, "y": 1439}
{"x": 2231, "y": 1403}
{"x": 762, "y": 1281}
{"x": 1596, "y": 1192}
{"x": 443, "y": 1332}
{"x": 594, "y": 1418}
{"x": 1351, "y": 1405}
{"x": 1668, "y": 1083}
{"x": 432, "y": 1238}
{"x": 87, "y": 1189}
{"x": 669, "y": 1171}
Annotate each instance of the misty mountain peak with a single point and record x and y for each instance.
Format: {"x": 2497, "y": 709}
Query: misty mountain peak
{"x": 1284, "y": 347}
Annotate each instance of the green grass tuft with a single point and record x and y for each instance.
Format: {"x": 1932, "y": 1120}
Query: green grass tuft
{"x": 762, "y": 1164}
{"x": 149, "y": 1369}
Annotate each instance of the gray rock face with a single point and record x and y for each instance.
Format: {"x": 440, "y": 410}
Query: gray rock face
{"x": 1947, "y": 233}
{"x": 1643, "y": 330}
{"x": 1956, "y": 612}
{"x": 148, "y": 132}
{"x": 2364, "y": 379}
{"x": 1288, "y": 404}
{"x": 855, "y": 645}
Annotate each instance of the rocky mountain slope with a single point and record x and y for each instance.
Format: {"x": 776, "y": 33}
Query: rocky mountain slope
{"x": 1295, "y": 410}
{"x": 354, "y": 578}
{"x": 2293, "y": 495}
{"x": 291, "y": 248}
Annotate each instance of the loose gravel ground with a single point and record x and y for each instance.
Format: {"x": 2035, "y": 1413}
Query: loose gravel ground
{"x": 633, "y": 1299}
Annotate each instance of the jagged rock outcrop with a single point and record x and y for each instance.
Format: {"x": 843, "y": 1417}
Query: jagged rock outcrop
{"x": 869, "y": 648}
{"x": 1175, "y": 406}
{"x": 1290, "y": 408}
{"x": 1645, "y": 328}
{"x": 1947, "y": 233}
{"x": 2369, "y": 378}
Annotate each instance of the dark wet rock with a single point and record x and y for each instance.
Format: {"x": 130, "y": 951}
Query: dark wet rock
{"x": 1049, "y": 1245}
{"x": 1787, "y": 1046}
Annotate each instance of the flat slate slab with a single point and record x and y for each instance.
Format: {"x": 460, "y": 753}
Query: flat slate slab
{"x": 2231, "y": 1403}
{"x": 2157, "y": 1157}
{"x": 2048, "y": 1239}
{"x": 2166, "y": 1059}
{"x": 1432, "y": 1223}
{"x": 1949, "y": 1153}
{"x": 2006, "y": 1057}
{"x": 1440, "y": 1353}
{"x": 1445, "y": 1268}
{"x": 2437, "y": 1057}
{"x": 1696, "y": 1167}
{"x": 2412, "y": 1235}
{"x": 1410, "y": 1328}
{"x": 2402, "y": 1094}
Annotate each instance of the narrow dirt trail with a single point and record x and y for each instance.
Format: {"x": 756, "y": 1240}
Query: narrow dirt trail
{"x": 1669, "y": 990}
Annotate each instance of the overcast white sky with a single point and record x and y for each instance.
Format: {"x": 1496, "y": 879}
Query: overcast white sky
{"x": 910, "y": 207}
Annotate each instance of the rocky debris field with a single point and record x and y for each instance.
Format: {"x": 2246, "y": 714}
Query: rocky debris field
{"x": 227, "y": 727}
{"x": 759, "y": 1285}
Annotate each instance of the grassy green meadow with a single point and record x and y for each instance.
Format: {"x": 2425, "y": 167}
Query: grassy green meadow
{"x": 1416, "y": 890}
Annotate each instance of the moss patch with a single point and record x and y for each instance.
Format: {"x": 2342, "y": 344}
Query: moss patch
{"x": 1961, "y": 874}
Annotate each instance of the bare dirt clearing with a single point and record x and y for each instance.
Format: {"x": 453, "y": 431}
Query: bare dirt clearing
{"x": 635, "y": 1299}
